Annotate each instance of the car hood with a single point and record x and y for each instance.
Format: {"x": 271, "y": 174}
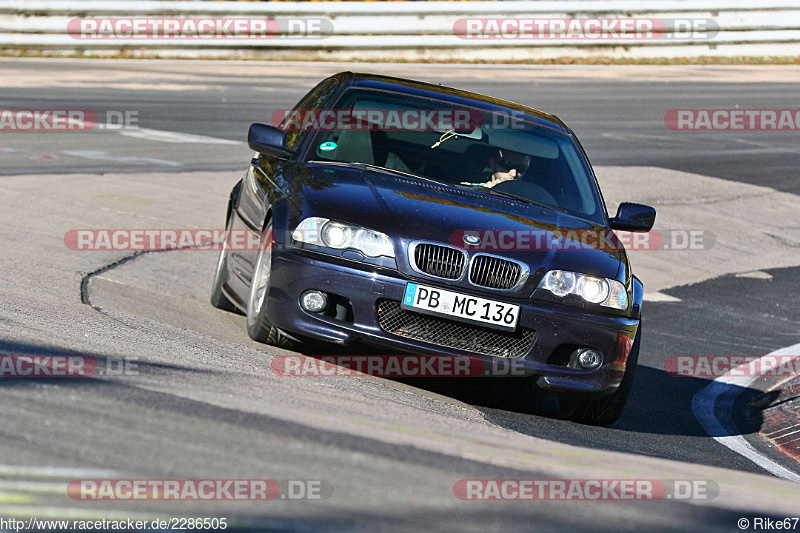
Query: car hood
{"x": 408, "y": 208}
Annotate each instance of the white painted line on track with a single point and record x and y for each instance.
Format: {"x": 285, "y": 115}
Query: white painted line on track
{"x": 52, "y": 472}
{"x": 104, "y": 156}
{"x": 172, "y": 136}
{"x": 719, "y": 396}
{"x": 754, "y": 274}
{"x": 659, "y": 297}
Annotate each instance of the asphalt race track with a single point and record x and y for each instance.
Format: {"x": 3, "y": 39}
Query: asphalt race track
{"x": 205, "y": 404}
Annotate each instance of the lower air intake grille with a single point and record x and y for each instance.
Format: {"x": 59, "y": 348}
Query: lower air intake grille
{"x": 452, "y": 334}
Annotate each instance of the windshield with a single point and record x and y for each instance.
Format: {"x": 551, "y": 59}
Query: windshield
{"x": 459, "y": 146}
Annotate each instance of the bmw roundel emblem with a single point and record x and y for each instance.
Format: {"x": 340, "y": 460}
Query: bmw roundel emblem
{"x": 471, "y": 239}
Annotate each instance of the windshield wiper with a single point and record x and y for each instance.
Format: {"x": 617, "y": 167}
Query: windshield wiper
{"x": 524, "y": 200}
{"x": 401, "y": 173}
{"x": 379, "y": 168}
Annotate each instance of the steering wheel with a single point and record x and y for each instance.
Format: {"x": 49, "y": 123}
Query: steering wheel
{"x": 526, "y": 189}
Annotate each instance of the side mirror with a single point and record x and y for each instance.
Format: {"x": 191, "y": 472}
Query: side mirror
{"x": 268, "y": 140}
{"x": 634, "y": 217}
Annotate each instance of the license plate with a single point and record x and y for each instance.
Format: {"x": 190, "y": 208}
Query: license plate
{"x": 463, "y": 307}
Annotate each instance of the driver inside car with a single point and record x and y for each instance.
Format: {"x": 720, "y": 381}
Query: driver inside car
{"x": 503, "y": 165}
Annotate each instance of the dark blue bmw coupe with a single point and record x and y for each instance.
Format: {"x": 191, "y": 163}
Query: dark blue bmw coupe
{"x": 433, "y": 220}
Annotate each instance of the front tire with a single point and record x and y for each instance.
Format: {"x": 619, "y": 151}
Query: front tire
{"x": 258, "y": 327}
{"x": 603, "y": 410}
{"x": 218, "y": 298}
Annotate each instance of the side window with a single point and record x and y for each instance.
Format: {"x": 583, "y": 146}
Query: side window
{"x": 315, "y": 99}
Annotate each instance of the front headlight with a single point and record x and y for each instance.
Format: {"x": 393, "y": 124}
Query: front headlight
{"x": 603, "y": 291}
{"x": 341, "y": 236}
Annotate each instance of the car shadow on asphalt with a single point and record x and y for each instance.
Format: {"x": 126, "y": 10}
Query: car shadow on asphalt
{"x": 659, "y": 404}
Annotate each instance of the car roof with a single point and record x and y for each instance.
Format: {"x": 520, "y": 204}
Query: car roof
{"x": 449, "y": 94}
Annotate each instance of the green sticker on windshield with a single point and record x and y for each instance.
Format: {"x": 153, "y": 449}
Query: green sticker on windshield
{"x": 327, "y": 146}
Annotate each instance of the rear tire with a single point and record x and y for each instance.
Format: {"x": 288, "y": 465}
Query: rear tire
{"x": 258, "y": 327}
{"x": 218, "y": 298}
{"x": 603, "y": 410}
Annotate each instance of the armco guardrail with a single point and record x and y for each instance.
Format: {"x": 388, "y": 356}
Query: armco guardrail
{"x": 433, "y": 30}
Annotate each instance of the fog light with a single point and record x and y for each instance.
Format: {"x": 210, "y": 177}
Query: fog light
{"x": 313, "y": 301}
{"x": 589, "y": 359}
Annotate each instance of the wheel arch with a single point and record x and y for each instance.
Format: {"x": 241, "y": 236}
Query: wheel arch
{"x": 637, "y": 297}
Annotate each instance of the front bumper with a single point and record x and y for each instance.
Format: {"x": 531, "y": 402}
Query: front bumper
{"x": 363, "y": 286}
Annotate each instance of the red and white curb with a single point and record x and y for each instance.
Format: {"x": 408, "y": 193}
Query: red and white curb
{"x": 712, "y": 406}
